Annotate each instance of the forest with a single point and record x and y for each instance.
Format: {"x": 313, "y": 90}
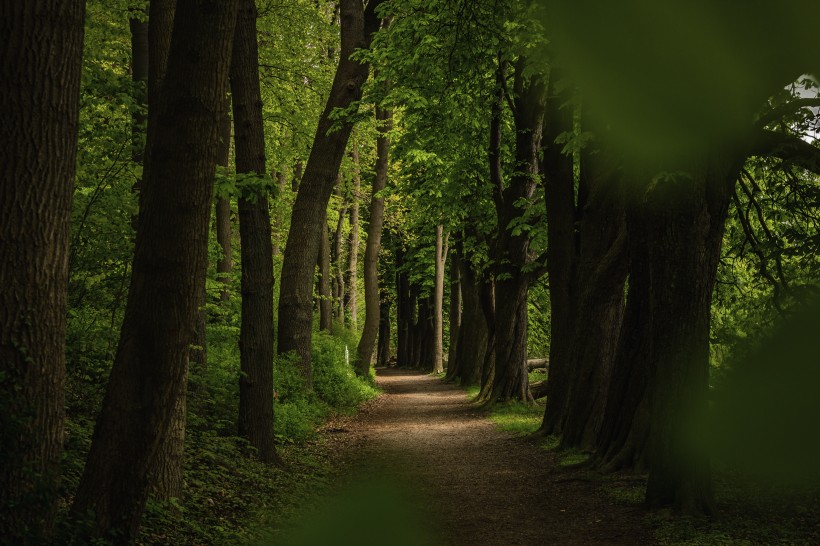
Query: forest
{"x": 409, "y": 272}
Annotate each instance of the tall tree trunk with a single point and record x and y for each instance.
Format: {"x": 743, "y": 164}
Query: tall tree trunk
{"x": 624, "y": 435}
{"x": 599, "y": 300}
{"x": 486, "y": 367}
{"x": 302, "y": 249}
{"x": 473, "y": 334}
{"x": 40, "y": 63}
{"x": 325, "y": 295}
{"x": 455, "y": 311}
{"x": 169, "y": 268}
{"x": 511, "y": 249}
{"x": 256, "y": 333}
{"x": 438, "y": 302}
{"x": 403, "y": 310}
{"x": 383, "y": 348}
{"x": 353, "y": 245}
{"x": 685, "y": 223}
{"x": 374, "y": 243}
{"x": 559, "y": 199}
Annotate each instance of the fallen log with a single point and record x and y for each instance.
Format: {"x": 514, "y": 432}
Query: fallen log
{"x": 538, "y": 389}
{"x": 534, "y": 363}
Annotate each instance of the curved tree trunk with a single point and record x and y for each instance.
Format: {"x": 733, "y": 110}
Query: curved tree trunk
{"x": 169, "y": 269}
{"x": 302, "y": 249}
{"x": 256, "y": 332}
{"x": 374, "y": 243}
{"x": 40, "y": 63}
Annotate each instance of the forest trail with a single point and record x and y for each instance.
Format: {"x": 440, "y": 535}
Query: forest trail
{"x": 480, "y": 485}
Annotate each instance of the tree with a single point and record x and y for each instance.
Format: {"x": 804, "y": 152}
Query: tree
{"x": 256, "y": 333}
{"x": 371, "y": 254}
{"x": 40, "y": 73}
{"x": 169, "y": 269}
{"x": 302, "y": 249}
{"x": 511, "y": 245}
{"x": 438, "y": 300}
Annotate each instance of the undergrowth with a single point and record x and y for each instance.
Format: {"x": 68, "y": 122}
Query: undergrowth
{"x": 228, "y": 495}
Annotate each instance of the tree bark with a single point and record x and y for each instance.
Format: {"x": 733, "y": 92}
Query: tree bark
{"x": 40, "y": 64}
{"x": 598, "y": 302}
{"x": 559, "y": 199}
{"x": 374, "y": 241}
{"x": 455, "y": 311}
{"x": 302, "y": 249}
{"x": 685, "y": 223}
{"x": 510, "y": 249}
{"x": 169, "y": 269}
{"x": 383, "y": 349}
{"x": 403, "y": 310}
{"x": 473, "y": 334}
{"x": 353, "y": 245}
{"x": 325, "y": 295}
{"x": 256, "y": 332}
{"x": 438, "y": 302}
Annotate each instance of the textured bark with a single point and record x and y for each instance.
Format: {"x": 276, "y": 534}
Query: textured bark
{"x": 383, "y": 347}
{"x": 40, "y": 63}
{"x": 473, "y": 334}
{"x": 256, "y": 333}
{"x": 598, "y": 303}
{"x": 685, "y": 222}
{"x": 302, "y": 249}
{"x": 438, "y": 302}
{"x": 325, "y": 295}
{"x": 622, "y": 441}
{"x": 426, "y": 332}
{"x": 486, "y": 297}
{"x": 510, "y": 250}
{"x": 353, "y": 245}
{"x": 559, "y": 199}
{"x": 403, "y": 310}
{"x": 169, "y": 269}
{"x": 373, "y": 246}
{"x": 455, "y": 311}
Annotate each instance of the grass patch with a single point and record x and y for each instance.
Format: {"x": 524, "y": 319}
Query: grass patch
{"x": 517, "y": 417}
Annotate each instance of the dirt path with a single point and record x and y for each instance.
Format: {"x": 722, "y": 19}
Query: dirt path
{"x": 483, "y": 486}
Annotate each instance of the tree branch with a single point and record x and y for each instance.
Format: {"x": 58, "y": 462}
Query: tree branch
{"x": 788, "y": 148}
{"x": 786, "y": 109}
